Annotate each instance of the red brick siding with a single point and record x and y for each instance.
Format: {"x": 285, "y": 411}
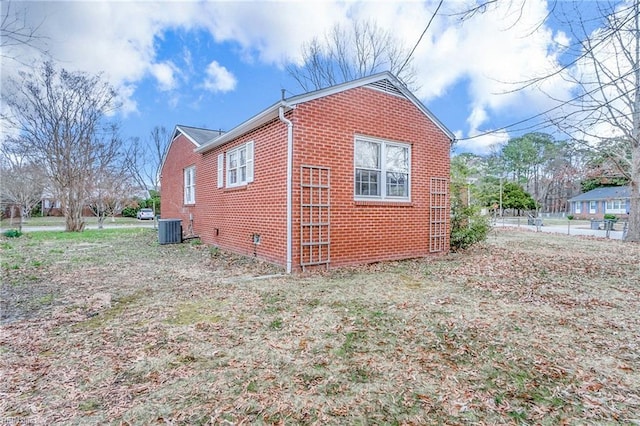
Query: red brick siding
{"x": 179, "y": 157}
{"x": 323, "y": 135}
{"x": 256, "y": 208}
{"x": 361, "y": 232}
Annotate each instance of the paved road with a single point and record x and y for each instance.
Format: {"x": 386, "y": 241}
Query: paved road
{"x": 564, "y": 229}
{"x": 27, "y": 228}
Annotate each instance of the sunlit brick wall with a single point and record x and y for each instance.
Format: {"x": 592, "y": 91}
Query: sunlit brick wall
{"x": 324, "y": 131}
{"x": 371, "y": 231}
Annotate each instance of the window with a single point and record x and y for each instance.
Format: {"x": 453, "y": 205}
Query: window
{"x": 593, "y": 207}
{"x": 616, "y": 206}
{"x": 240, "y": 165}
{"x": 190, "y": 185}
{"x": 578, "y": 208}
{"x": 382, "y": 169}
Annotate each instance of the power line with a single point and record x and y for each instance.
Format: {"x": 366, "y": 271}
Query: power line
{"x": 589, "y": 49}
{"x": 562, "y": 104}
{"x": 420, "y": 39}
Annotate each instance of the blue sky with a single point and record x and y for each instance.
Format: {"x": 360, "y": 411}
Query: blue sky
{"x": 215, "y": 64}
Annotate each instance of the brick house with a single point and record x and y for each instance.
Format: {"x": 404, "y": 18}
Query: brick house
{"x": 354, "y": 173}
{"x": 596, "y": 203}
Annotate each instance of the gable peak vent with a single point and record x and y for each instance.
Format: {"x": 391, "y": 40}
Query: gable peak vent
{"x": 386, "y": 86}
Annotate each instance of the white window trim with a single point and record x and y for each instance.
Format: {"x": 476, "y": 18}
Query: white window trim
{"x": 593, "y": 207}
{"x": 383, "y": 172}
{"x": 622, "y": 209}
{"x": 189, "y": 190}
{"x": 249, "y": 165}
{"x": 578, "y": 207}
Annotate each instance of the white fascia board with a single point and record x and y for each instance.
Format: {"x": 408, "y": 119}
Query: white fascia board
{"x": 368, "y": 80}
{"x": 254, "y": 122}
{"x": 186, "y": 135}
{"x": 271, "y": 113}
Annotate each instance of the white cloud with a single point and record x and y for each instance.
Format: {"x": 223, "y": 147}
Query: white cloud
{"x": 165, "y": 75}
{"x": 219, "y": 79}
{"x": 477, "y": 117}
{"x": 488, "y": 52}
{"x": 126, "y": 99}
{"x": 483, "y": 144}
{"x": 495, "y": 52}
{"x": 270, "y": 31}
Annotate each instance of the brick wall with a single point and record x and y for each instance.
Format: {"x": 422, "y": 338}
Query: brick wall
{"x": 324, "y": 131}
{"x": 364, "y": 232}
{"x": 228, "y": 217}
{"x": 179, "y": 157}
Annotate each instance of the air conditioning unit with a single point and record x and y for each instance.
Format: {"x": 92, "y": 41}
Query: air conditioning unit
{"x": 169, "y": 231}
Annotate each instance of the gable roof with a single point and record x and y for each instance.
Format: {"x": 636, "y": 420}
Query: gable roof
{"x": 604, "y": 193}
{"x": 384, "y": 81}
{"x": 196, "y": 135}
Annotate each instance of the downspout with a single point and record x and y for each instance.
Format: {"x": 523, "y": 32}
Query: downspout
{"x": 289, "y": 183}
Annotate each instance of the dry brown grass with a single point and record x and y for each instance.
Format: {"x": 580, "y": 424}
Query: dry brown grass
{"x": 528, "y": 328}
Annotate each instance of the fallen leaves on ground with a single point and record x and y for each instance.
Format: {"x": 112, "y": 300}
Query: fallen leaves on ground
{"x": 526, "y": 328}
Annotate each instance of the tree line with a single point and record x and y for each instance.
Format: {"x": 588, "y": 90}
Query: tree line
{"x": 534, "y": 172}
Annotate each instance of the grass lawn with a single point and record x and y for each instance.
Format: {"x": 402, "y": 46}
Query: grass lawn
{"x": 108, "y": 327}
{"x": 58, "y": 221}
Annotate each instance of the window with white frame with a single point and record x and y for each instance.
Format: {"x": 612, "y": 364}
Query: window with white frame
{"x": 593, "y": 207}
{"x": 190, "y": 185}
{"x": 578, "y": 207}
{"x": 240, "y": 165}
{"x": 616, "y": 206}
{"x": 382, "y": 169}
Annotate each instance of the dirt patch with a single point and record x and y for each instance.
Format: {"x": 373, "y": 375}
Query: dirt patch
{"x": 528, "y": 328}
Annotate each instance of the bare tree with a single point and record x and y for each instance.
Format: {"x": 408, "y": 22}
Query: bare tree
{"x": 61, "y": 117}
{"x": 346, "y": 54}
{"x": 603, "y": 65}
{"x": 144, "y": 158}
{"x": 15, "y": 32}
{"x": 23, "y": 182}
{"x": 109, "y": 194}
{"x": 604, "y": 114}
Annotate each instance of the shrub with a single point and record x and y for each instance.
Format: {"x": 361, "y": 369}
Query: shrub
{"x": 570, "y": 216}
{"x": 12, "y": 233}
{"x": 129, "y": 212}
{"x": 468, "y": 227}
{"x": 465, "y": 235}
{"x": 610, "y": 216}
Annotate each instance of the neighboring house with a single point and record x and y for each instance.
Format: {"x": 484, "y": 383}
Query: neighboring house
{"x": 354, "y": 173}
{"x": 51, "y": 206}
{"x": 597, "y": 202}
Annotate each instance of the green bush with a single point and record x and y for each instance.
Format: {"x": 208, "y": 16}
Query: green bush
{"x": 468, "y": 227}
{"x": 465, "y": 235}
{"x": 570, "y": 217}
{"x": 12, "y": 233}
{"x": 129, "y": 212}
{"x": 610, "y": 216}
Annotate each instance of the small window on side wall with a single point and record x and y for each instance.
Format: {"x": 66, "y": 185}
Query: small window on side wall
{"x": 240, "y": 165}
{"x": 190, "y": 185}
